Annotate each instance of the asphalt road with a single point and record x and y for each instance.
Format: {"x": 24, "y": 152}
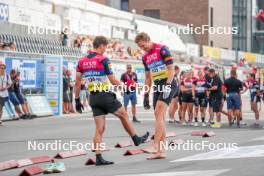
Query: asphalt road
{"x": 246, "y": 160}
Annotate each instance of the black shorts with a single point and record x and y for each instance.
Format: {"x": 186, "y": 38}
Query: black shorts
{"x": 103, "y": 103}
{"x": 187, "y": 98}
{"x": 2, "y": 101}
{"x": 201, "y": 100}
{"x": 177, "y": 94}
{"x": 255, "y": 98}
{"x": 158, "y": 95}
{"x": 215, "y": 102}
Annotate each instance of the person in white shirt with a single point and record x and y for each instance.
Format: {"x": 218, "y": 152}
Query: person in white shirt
{"x": 5, "y": 83}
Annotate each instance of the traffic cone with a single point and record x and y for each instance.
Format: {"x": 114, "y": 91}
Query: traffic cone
{"x": 123, "y": 144}
{"x": 90, "y": 161}
{"x": 68, "y": 154}
{"x": 24, "y": 162}
{"x": 33, "y": 170}
{"x": 40, "y": 159}
{"x": 133, "y": 152}
{"x": 8, "y": 165}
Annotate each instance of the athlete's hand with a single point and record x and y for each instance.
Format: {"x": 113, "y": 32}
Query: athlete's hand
{"x": 78, "y": 105}
{"x": 166, "y": 91}
{"x": 146, "y": 102}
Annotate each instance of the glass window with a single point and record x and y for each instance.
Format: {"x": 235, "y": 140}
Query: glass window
{"x": 154, "y": 13}
{"x": 125, "y": 5}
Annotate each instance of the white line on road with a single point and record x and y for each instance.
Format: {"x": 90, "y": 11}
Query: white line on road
{"x": 240, "y": 152}
{"x": 188, "y": 173}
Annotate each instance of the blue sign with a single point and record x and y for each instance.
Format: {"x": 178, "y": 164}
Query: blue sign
{"x": 53, "y": 82}
{"x": 30, "y": 77}
{"x": 140, "y": 71}
{"x": 4, "y": 12}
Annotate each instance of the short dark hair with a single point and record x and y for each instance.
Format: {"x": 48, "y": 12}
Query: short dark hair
{"x": 211, "y": 70}
{"x": 99, "y": 40}
{"x": 142, "y": 37}
{"x": 176, "y": 67}
{"x": 233, "y": 72}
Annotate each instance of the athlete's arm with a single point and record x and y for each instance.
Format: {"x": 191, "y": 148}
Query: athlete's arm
{"x": 171, "y": 73}
{"x": 166, "y": 56}
{"x": 113, "y": 80}
{"x": 148, "y": 82}
{"x": 193, "y": 89}
{"x": 109, "y": 72}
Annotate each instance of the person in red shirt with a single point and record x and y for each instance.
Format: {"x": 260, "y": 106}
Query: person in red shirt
{"x": 129, "y": 78}
{"x": 201, "y": 98}
{"x": 188, "y": 94}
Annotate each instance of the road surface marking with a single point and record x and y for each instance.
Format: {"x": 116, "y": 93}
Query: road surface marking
{"x": 184, "y": 173}
{"x": 240, "y": 152}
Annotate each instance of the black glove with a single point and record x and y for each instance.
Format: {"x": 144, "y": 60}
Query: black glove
{"x": 146, "y": 102}
{"x": 78, "y": 105}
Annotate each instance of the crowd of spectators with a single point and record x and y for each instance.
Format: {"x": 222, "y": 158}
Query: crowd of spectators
{"x": 115, "y": 50}
{"x": 10, "y": 46}
{"x": 68, "y": 93}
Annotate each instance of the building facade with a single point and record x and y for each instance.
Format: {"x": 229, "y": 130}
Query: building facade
{"x": 238, "y": 14}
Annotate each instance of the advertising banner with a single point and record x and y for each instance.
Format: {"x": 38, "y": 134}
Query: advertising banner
{"x": 39, "y": 105}
{"x": 228, "y": 55}
{"x": 209, "y": 52}
{"x": 53, "y": 82}
{"x": 29, "y": 76}
{"x": 192, "y": 49}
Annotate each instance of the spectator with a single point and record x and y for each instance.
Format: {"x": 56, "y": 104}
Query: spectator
{"x": 65, "y": 37}
{"x": 84, "y": 96}
{"x": 66, "y": 97}
{"x": 71, "y": 85}
{"x": 130, "y": 80}
{"x": 12, "y": 96}
{"x": 6, "y": 47}
{"x": 215, "y": 98}
{"x": 77, "y": 42}
{"x": 22, "y": 99}
{"x": 129, "y": 51}
{"x": 1, "y": 45}
{"x": 5, "y": 83}
{"x": 12, "y": 46}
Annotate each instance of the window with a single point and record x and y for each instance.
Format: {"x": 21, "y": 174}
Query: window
{"x": 154, "y": 13}
{"x": 212, "y": 17}
{"x": 125, "y": 5}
